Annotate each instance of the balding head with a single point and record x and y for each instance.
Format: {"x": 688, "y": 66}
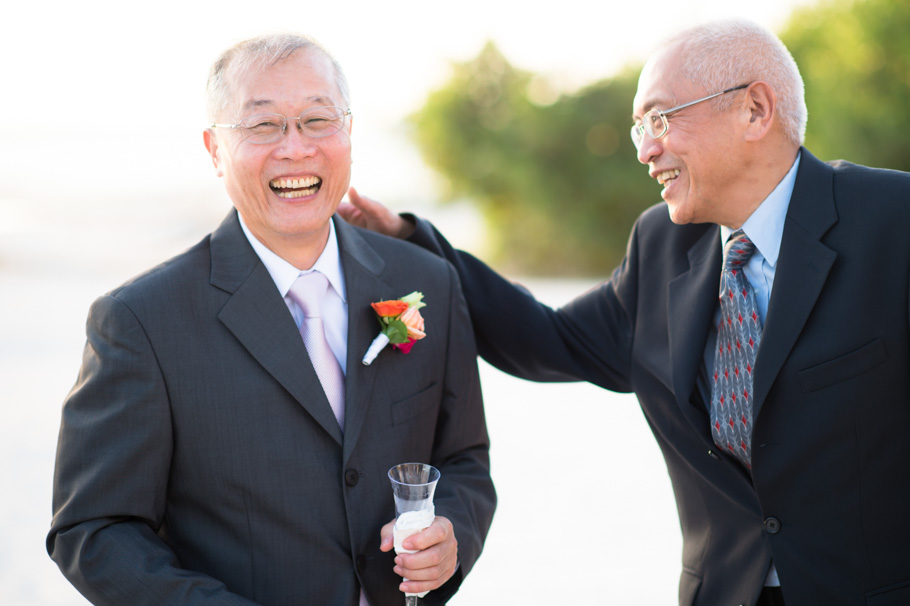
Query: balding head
{"x": 256, "y": 54}
{"x": 722, "y": 54}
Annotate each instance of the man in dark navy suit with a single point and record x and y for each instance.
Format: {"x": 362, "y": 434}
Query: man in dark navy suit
{"x": 784, "y": 428}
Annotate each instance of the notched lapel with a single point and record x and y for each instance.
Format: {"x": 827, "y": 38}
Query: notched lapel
{"x": 362, "y": 269}
{"x": 803, "y": 267}
{"x": 692, "y": 301}
{"x": 259, "y": 318}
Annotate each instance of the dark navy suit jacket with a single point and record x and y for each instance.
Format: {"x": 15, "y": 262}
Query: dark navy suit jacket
{"x": 829, "y": 494}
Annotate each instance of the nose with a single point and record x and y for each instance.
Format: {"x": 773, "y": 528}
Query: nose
{"x": 295, "y": 143}
{"x": 649, "y": 148}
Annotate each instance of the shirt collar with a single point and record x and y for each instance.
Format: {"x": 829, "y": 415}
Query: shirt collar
{"x": 765, "y": 227}
{"x": 284, "y": 274}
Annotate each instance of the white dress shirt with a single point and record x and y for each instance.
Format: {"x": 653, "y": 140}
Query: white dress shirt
{"x": 335, "y": 303}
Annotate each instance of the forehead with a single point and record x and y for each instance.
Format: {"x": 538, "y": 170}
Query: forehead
{"x": 303, "y": 78}
{"x": 661, "y": 84}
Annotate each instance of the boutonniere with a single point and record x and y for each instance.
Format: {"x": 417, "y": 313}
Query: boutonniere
{"x": 401, "y": 325}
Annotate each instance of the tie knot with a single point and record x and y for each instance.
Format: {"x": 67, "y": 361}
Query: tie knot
{"x": 308, "y": 291}
{"x": 738, "y": 250}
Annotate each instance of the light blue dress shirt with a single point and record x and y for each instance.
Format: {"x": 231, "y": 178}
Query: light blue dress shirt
{"x": 765, "y": 227}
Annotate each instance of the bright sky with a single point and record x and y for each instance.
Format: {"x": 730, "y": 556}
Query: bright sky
{"x": 112, "y": 90}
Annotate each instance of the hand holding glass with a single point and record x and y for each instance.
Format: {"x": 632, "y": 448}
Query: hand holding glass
{"x": 413, "y": 485}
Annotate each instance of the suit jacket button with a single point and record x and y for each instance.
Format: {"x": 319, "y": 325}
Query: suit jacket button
{"x": 351, "y": 477}
{"x": 771, "y": 525}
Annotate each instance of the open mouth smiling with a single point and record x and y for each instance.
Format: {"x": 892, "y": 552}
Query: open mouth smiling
{"x": 295, "y": 188}
{"x": 667, "y": 175}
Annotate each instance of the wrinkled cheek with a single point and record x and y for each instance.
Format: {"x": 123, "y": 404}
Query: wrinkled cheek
{"x": 344, "y": 177}
{"x": 341, "y": 162}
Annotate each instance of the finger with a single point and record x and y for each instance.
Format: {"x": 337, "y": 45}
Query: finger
{"x": 349, "y": 212}
{"x": 437, "y": 532}
{"x": 410, "y": 586}
{"x": 424, "y": 578}
{"x": 387, "y": 541}
{"x": 426, "y": 564}
{"x": 355, "y": 198}
{"x": 436, "y": 559}
{"x": 369, "y": 207}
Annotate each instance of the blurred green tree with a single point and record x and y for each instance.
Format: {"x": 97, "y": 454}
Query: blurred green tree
{"x": 554, "y": 175}
{"x": 854, "y": 56}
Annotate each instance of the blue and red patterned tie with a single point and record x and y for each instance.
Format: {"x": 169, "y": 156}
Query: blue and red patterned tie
{"x": 738, "y": 338}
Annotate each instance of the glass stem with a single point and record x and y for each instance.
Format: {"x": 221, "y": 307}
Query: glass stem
{"x": 410, "y": 600}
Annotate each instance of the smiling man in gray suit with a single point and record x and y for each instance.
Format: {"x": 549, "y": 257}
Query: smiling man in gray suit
{"x": 221, "y": 448}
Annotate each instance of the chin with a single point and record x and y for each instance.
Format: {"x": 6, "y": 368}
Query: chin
{"x": 677, "y": 215}
{"x": 683, "y": 212}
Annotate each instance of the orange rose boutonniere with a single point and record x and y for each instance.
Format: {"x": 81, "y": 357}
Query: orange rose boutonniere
{"x": 400, "y": 324}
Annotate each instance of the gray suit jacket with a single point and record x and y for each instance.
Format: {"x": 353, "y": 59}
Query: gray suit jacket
{"x": 199, "y": 460}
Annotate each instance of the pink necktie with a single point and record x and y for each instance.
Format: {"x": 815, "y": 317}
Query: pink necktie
{"x": 308, "y": 291}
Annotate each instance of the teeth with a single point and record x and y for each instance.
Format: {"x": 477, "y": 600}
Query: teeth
{"x": 301, "y": 183}
{"x": 296, "y": 188}
{"x": 297, "y": 193}
{"x": 667, "y": 175}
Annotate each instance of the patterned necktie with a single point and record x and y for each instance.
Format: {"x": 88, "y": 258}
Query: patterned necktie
{"x": 308, "y": 292}
{"x": 738, "y": 337}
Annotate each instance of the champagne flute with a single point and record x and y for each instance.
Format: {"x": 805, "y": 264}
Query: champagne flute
{"x": 413, "y": 485}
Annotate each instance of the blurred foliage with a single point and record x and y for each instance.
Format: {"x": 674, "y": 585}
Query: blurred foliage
{"x": 855, "y": 60}
{"x": 556, "y": 176}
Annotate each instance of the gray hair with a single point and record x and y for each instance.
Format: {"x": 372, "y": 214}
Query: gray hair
{"x": 261, "y": 51}
{"x": 722, "y": 54}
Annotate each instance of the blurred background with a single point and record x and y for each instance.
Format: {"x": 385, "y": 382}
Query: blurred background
{"x": 506, "y": 123}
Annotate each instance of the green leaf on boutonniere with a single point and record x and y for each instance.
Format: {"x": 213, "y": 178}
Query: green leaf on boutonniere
{"x": 397, "y": 332}
{"x": 415, "y": 299}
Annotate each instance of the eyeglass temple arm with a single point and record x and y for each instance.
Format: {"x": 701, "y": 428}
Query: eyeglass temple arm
{"x": 691, "y": 103}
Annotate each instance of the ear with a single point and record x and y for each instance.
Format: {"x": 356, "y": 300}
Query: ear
{"x": 211, "y": 144}
{"x": 761, "y": 110}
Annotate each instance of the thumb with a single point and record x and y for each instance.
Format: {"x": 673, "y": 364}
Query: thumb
{"x": 387, "y": 542}
{"x": 356, "y": 199}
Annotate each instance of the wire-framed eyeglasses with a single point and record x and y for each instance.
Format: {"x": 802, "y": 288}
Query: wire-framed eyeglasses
{"x": 315, "y": 122}
{"x": 655, "y": 122}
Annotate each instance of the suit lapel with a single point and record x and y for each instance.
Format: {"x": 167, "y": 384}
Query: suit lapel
{"x": 692, "y": 301}
{"x": 802, "y": 269}
{"x": 259, "y": 318}
{"x": 362, "y": 267}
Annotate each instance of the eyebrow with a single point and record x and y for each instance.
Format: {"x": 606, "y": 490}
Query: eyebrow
{"x": 257, "y": 103}
{"x": 654, "y": 104}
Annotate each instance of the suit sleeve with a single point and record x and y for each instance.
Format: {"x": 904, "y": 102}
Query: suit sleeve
{"x": 111, "y": 475}
{"x": 465, "y": 494}
{"x": 590, "y": 339}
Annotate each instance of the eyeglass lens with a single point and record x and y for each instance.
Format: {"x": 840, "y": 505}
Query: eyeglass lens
{"x": 315, "y": 122}
{"x": 652, "y": 123}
